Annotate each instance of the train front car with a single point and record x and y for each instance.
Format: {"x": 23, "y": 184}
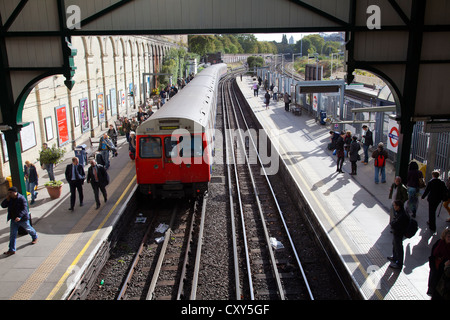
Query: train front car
{"x": 175, "y": 145}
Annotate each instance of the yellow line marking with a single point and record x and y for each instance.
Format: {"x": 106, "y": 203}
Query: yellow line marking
{"x": 32, "y": 284}
{"x": 330, "y": 221}
{"x": 82, "y": 252}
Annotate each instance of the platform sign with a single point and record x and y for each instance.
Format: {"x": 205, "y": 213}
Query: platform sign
{"x": 393, "y": 136}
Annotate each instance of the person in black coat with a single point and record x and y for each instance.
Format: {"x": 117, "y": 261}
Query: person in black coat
{"x": 367, "y": 141}
{"x": 398, "y": 225}
{"x": 435, "y": 191}
{"x": 19, "y": 216}
{"x": 99, "y": 179}
{"x": 354, "y": 155}
{"x": 75, "y": 176}
{"x": 340, "y": 152}
{"x": 267, "y": 99}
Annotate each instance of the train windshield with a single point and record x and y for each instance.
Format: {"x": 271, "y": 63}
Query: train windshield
{"x": 184, "y": 147}
{"x": 150, "y": 147}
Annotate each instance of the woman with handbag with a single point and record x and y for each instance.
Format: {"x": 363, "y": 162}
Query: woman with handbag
{"x": 412, "y": 182}
{"x": 354, "y": 155}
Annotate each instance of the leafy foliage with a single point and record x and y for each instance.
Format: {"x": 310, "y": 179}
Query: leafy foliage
{"x": 51, "y": 155}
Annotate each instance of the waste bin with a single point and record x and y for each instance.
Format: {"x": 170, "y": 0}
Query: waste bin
{"x": 80, "y": 153}
{"x": 323, "y": 117}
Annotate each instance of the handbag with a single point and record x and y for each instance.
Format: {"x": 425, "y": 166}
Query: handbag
{"x": 422, "y": 183}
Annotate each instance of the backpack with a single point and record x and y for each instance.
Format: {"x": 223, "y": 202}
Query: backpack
{"x": 412, "y": 228}
{"x": 380, "y": 161}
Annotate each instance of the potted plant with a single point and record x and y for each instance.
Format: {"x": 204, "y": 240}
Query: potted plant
{"x": 51, "y": 155}
{"x": 54, "y": 188}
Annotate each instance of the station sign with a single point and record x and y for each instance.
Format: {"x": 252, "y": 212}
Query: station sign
{"x": 393, "y": 135}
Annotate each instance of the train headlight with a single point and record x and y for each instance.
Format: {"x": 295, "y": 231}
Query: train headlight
{"x": 156, "y": 166}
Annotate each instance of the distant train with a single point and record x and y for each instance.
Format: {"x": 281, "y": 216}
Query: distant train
{"x": 213, "y": 58}
{"x": 174, "y": 147}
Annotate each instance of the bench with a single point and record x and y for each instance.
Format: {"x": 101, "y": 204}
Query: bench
{"x": 90, "y": 151}
{"x": 296, "y": 110}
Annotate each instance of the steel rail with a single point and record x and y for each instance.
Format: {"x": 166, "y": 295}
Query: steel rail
{"x": 151, "y": 291}
{"x": 241, "y": 209}
{"x": 279, "y": 209}
{"x": 260, "y": 210}
{"x": 230, "y": 194}
{"x": 135, "y": 262}
{"x": 193, "y": 295}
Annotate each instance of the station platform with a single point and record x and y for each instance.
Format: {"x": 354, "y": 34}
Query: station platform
{"x": 67, "y": 240}
{"x": 353, "y": 210}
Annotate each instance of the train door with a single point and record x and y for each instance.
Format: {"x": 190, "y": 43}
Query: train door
{"x": 172, "y": 159}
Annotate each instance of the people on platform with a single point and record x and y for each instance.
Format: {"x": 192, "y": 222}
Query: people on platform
{"x": 255, "y": 88}
{"x": 126, "y": 127}
{"x": 31, "y": 179}
{"x": 112, "y": 133}
{"x": 380, "y": 155}
{"x": 447, "y": 202}
{"x": 435, "y": 193}
{"x": 267, "y": 99}
{"x": 439, "y": 263}
{"x": 412, "y": 182}
{"x": 340, "y": 152}
{"x": 75, "y": 176}
{"x": 98, "y": 178}
{"x": 48, "y": 166}
{"x": 347, "y": 142}
{"x": 398, "y": 225}
{"x": 132, "y": 145}
{"x": 105, "y": 147}
{"x": 399, "y": 192}
{"x": 19, "y": 216}
{"x": 367, "y": 141}
{"x": 287, "y": 101}
{"x": 354, "y": 154}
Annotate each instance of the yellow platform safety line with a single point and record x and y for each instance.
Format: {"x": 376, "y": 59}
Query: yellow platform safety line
{"x": 32, "y": 284}
{"x": 331, "y": 222}
{"x": 82, "y": 252}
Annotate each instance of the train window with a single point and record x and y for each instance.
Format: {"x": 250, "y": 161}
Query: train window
{"x": 197, "y": 146}
{"x": 150, "y": 147}
{"x": 187, "y": 148}
{"x": 170, "y": 148}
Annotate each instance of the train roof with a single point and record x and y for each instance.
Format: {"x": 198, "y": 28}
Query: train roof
{"x": 191, "y": 103}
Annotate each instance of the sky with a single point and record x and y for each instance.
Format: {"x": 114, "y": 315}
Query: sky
{"x": 277, "y": 36}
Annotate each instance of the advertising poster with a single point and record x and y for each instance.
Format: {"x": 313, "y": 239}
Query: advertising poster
{"x": 315, "y": 101}
{"x": 101, "y": 107}
{"x": 63, "y": 129}
{"x": 113, "y": 95}
{"x": 122, "y": 97}
{"x": 85, "y": 122}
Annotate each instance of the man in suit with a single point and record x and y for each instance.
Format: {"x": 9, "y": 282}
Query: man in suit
{"x": 435, "y": 191}
{"x": 367, "y": 141}
{"x": 99, "y": 179}
{"x": 75, "y": 176}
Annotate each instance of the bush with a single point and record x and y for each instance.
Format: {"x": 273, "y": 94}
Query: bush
{"x": 51, "y": 155}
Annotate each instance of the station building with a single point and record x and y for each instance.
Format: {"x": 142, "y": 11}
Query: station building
{"x": 108, "y": 84}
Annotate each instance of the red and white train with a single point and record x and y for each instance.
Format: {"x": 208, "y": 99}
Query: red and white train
{"x": 174, "y": 147}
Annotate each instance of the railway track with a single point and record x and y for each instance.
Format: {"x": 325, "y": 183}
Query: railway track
{"x": 228, "y": 247}
{"x": 270, "y": 273}
{"x": 159, "y": 269}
